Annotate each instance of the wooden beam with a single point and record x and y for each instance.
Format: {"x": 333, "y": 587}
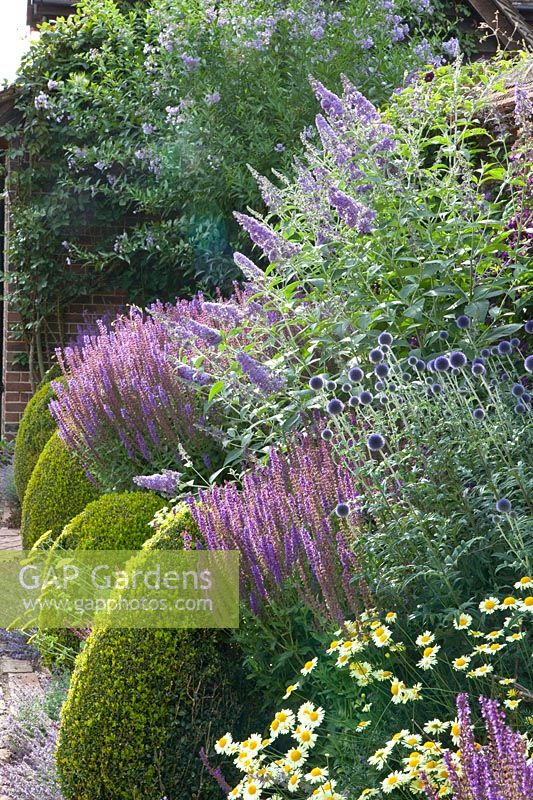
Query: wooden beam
{"x": 506, "y": 22}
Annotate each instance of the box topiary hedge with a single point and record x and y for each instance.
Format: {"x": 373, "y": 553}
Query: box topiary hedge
{"x": 57, "y": 491}
{"x": 112, "y": 522}
{"x": 141, "y": 705}
{"x": 35, "y": 429}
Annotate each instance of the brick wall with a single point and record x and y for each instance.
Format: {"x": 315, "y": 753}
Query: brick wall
{"x": 16, "y": 380}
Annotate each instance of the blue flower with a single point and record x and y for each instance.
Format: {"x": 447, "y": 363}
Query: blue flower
{"x": 529, "y": 326}
{"x": 478, "y": 413}
{"x": 478, "y": 369}
{"x": 436, "y": 388}
{"x": 335, "y": 406}
{"x": 503, "y": 377}
{"x": 420, "y": 363}
{"x": 520, "y": 408}
{"x": 346, "y": 387}
{"x": 385, "y": 338}
{"x": 375, "y": 442}
{"x": 331, "y": 385}
{"x": 342, "y": 510}
{"x": 526, "y": 397}
{"x": 505, "y": 348}
{"x": 381, "y": 370}
{"x": 354, "y": 400}
{"x": 316, "y": 383}
{"x": 518, "y": 390}
{"x": 366, "y": 398}
{"x": 528, "y": 363}
{"x": 376, "y": 355}
{"x": 457, "y": 359}
{"x": 442, "y": 364}
{"x": 379, "y": 386}
{"x": 504, "y": 506}
{"x": 327, "y": 435}
{"x": 443, "y": 335}
{"x": 406, "y": 376}
{"x": 485, "y": 353}
{"x": 356, "y": 374}
{"x": 516, "y": 342}
{"x": 463, "y": 322}
{"x": 412, "y": 361}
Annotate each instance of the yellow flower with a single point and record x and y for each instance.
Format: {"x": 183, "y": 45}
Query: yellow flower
{"x": 495, "y": 634}
{"x": 509, "y": 602}
{"x": 309, "y": 666}
{"x": 479, "y": 672}
{"x": 527, "y": 603}
{"x": 290, "y": 689}
{"x": 429, "y": 657}
{"x": 460, "y": 663}
{"x": 495, "y": 647}
{"x": 305, "y": 736}
{"x": 316, "y": 775}
{"x": 512, "y": 704}
{"x": 463, "y": 621}
{"x": 296, "y": 756}
{"x": 294, "y": 781}
{"x": 224, "y": 744}
{"x": 425, "y": 638}
{"x": 251, "y": 789}
{"x": 475, "y": 634}
{"x": 489, "y": 605}
{"x": 392, "y": 781}
{"x": 391, "y": 616}
{"x": 333, "y": 646}
{"x": 506, "y": 681}
{"x": 362, "y": 724}
{"x": 310, "y": 716}
{"x": 524, "y": 583}
{"x": 412, "y": 740}
{"x": 515, "y": 637}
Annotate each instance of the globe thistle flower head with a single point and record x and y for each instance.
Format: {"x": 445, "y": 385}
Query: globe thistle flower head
{"x": 455, "y": 372}
{"x": 430, "y": 366}
{"x": 316, "y": 383}
{"x": 406, "y": 377}
{"x": 354, "y": 400}
{"x": 385, "y": 338}
{"x": 528, "y": 364}
{"x": 412, "y": 361}
{"x": 442, "y": 364}
{"x": 375, "y": 442}
{"x": 376, "y": 355}
{"x": 515, "y": 342}
{"x": 356, "y": 374}
{"x": 392, "y": 387}
{"x": 463, "y": 322}
{"x": 366, "y": 397}
{"x": 494, "y": 350}
{"x": 331, "y": 385}
{"x": 520, "y": 408}
{"x": 420, "y": 364}
{"x": 485, "y": 353}
{"x": 504, "y": 506}
{"x": 327, "y": 435}
{"x": 517, "y": 390}
{"x": 384, "y": 399}
{"x": 335, "y": 406}
{"x": 504, "y": 377}
{"x": 526, "y": 397}
{"x": 443, "y": 336}
{"x": 505, "y": 348}
{"x": 478, "y": 413}
{"x": 478, "y": 369}
{"x": 529, "y": 326}
{"x": 457, "y": 359}
{"x": 346, "y": 388}
{"x": 342, "y": 510}
{"x": 381, "y": 370}
{"x": 436, "y": 388}
{"x": 380, "y": 386}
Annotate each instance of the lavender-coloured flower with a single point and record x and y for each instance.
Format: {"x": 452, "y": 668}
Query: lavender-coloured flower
{"x": 275, "y": 247}
{"x": 352, "y": 212}
{"x": 165, "y": 483}
{"x": 259, "y": 375}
